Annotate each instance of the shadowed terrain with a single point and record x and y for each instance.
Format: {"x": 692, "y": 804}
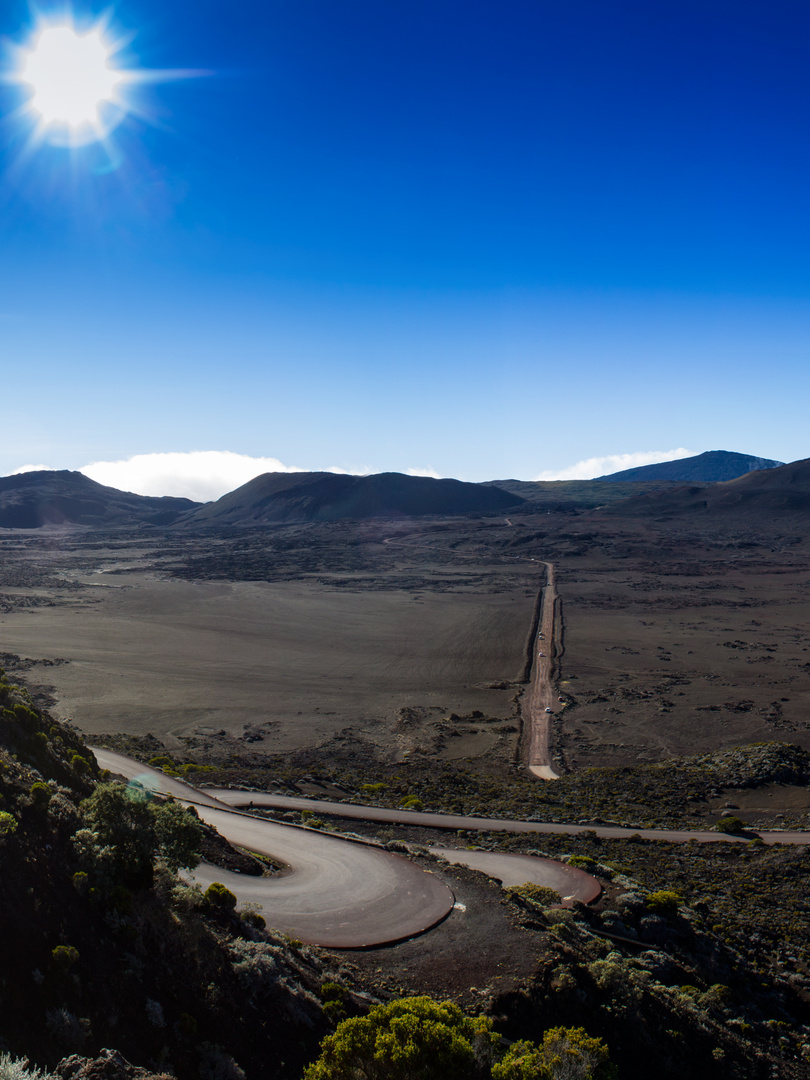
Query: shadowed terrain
{"x": 36, "y": 499}
{"x": 287, "y": 497}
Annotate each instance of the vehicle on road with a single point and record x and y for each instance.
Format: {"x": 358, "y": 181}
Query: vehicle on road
{"x": 549, "y": 709}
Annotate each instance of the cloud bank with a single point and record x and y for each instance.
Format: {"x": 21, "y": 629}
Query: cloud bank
{"x": 611, "y": 463}
{"x": 424, "y": 472}
{"x": 201, "y": 475}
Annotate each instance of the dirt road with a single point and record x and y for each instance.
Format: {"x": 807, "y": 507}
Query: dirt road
{"x": 536, "y": 721}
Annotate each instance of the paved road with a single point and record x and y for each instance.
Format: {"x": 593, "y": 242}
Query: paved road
{"x": 336, "y": 893}
{"x": 346, "y": 895}
{"x": 453, "y": 822}
{"x": 568, "y": 881}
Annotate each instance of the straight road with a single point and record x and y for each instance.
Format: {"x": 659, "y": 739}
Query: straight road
{"x": 541, "y": 692}
{"x": 426, "y": 819}
{"x": 227, "y": 797}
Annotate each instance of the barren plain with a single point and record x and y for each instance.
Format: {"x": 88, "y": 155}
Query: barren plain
{"x": 404, "y": 639}
{"x": 282, "y": 637}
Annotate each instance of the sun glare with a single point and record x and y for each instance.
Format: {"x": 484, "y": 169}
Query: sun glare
{"x": 72, "y": 81}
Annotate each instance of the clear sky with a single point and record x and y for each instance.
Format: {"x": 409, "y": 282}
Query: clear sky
{"x": 481, "y": 239}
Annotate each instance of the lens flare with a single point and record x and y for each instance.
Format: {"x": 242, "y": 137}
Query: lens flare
{"x": 77, "y": 83}
{"x": 71, "y": 76}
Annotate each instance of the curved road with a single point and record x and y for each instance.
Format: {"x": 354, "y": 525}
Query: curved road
{"x": 570, "y": 882}
{"x": 338, "y": 893}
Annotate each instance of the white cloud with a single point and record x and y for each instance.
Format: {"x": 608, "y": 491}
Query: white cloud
{"x": 201, "y": 475}
{"x": 611, "y": 463}
{"x": 424, "y": 472}
{"x": 31, "y": 468}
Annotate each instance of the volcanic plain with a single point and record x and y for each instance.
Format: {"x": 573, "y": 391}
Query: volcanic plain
{"x": 411, "y": 638}
{"x": 278, "y": 637}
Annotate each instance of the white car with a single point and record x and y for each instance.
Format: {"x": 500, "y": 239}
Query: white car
{"x": 548, "y": 709}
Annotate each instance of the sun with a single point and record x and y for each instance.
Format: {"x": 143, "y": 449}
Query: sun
{"x": 73, "y": 84}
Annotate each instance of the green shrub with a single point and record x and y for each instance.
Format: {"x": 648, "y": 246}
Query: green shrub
{"x": 8, "y": 823}
{"x": 164, "y": 763}
{"x": 566, "y": 1053}
{"x": 540, "y": 895}
{"x": 584, "y": 862}
{"x": 218, "y": 896}
{"x": 80, "y": 765}
{"x": 332, "y": 991}
{"x": 411, "y": 802}
{"x": 63, "y": 958}
{"x": 664, "y": 902}
{"x": 38, "y": 742}
{"x": 40, "y": 794}
{"x": 373, "y": 789}
{"x": 187, "y": 1024}
{"x": 125, "y": 833}
{"x": 179, "y": 834}
{"x": 731, "y": 825}
{"x": 253, "y": 918}
{"x": 401, "y": 1040}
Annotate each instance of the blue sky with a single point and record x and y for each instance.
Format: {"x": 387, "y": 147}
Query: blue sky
{"x": 484, "y": 240}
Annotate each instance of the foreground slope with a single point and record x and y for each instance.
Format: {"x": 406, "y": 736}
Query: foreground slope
{"x": 98, "y": 955}
{"x": 318, "y": 496}
{"x": 61, "y": 497}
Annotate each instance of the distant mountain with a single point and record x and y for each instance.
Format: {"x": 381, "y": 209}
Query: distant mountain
{"x": 317, "y": 496}
{"x": 778, "y": 496}
{"x": 573, "y": 496}
{"x": 34, "y": 499}
{"x": 708, "y": 468}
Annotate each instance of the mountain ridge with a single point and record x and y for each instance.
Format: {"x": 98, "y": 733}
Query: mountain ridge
{"x": 779, "y": 495}
{"x": 319, "y": 496}
{"x": 62, "y": 498}
{"x": 712, "y": 466}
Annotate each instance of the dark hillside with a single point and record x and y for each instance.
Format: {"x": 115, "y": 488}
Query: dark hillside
{"x": 709, "y": 468}
{"x": 302, "y": 497}
{"x": 778, "y": 497}
{"x": 100, "y": 951}
{"x": 571, "y": 496}
{"x": 36, "y": 499}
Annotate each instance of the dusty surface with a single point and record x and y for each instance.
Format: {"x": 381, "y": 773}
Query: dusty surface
{"x": 683, "y": 644}
{"x": 407, "y": 638}
{"x": 481, "y": 949}
{"x": 280, "y": 663}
